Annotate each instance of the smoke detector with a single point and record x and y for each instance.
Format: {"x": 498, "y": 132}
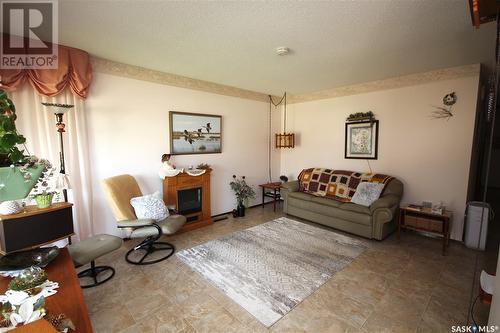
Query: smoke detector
{"x": 282, "y": 50}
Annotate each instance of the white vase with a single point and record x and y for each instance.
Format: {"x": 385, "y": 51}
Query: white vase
{"x": 9, "y": 207}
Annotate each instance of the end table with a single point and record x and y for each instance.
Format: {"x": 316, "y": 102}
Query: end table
{"x": 422, "y": 220}
{"x": 274, "y": 192}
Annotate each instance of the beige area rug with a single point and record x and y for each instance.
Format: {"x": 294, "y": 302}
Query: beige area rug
{"x": 270, "y": 268}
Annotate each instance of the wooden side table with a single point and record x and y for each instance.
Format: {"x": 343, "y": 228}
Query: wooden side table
{"x": 274, "y": 192}
{"x": 437, "y": 224}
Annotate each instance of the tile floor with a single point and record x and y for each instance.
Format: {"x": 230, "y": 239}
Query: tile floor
{"x": 394, "y": 286}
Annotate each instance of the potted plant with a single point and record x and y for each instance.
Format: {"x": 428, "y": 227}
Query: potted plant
{"x": 18, "y": 172}
{"x": 9, "y": 137}
{"x": 243, "y": 192}
{"x": 46, "y": 187}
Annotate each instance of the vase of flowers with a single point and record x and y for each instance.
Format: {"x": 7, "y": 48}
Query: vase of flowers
{"x": 46, "y": 188}
{"x": 240, "y": 209}
{"x": 243, "y": 192}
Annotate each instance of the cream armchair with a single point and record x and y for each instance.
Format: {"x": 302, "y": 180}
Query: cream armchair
{"x": 119, "y": 190}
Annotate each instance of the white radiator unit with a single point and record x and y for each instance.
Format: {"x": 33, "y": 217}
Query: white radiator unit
{"x": 477, "y": 212}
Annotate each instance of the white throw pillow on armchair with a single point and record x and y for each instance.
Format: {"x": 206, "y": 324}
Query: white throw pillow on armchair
{"x": 150, "y": 206}
{"x": 367, "y": 193}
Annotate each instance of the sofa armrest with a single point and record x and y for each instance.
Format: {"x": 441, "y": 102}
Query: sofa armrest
{"x": 292, "y": 186}
{"x": 387, "y": 201}
{"x": 384, "y": 215}
{"x": 135, "y": 223}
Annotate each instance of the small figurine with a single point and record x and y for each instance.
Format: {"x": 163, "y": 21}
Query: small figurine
{"x": 165, "y": 160}
{"x": 168, "y": 169}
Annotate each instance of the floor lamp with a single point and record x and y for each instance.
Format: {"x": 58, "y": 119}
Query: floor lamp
{"x": 59, "y": 111}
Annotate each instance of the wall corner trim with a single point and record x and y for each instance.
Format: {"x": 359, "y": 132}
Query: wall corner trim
{"x": 106, "y": 66}
{"x": 390, "y": 83}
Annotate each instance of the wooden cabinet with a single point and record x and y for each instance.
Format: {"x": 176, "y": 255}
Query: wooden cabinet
{"x": 34, "y": 227}
{"x": 438, "y": 224}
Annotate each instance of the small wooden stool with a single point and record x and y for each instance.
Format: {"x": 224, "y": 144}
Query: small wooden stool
{"x": 88, "y": 251}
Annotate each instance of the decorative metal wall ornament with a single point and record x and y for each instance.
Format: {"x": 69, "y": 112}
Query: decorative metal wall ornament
{"x": 361, "y": 116}
{"x": 445, "y": 112}
{"x": 450, "y": 99}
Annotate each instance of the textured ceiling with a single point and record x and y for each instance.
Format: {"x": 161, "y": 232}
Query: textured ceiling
{"x": 333, "y": 43}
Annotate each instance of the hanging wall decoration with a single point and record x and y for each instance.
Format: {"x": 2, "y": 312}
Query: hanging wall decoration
{"x": 361, "y": 136}
{"x": 194, "y": 133}
{"x": 445, "y": 111}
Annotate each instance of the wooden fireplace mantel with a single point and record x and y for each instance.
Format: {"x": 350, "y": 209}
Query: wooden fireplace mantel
{"x": 183, "y": 181}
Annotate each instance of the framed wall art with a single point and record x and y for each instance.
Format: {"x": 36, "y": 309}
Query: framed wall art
{"x": 361, "y": 140}
{"x": 195, "y": 133}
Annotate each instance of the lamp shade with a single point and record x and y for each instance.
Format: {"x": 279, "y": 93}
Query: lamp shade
{"x": 285, "y": 140}
{"x": 58, "y": 108}
{"x": 63, "y": 182}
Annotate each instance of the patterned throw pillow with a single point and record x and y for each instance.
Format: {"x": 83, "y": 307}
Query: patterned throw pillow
{"x": 367, "y": 193}
{"x": 150, "y": 206}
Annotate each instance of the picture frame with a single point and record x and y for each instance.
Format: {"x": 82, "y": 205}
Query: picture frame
{"x": 361, "y": 140}
{"x": 195, "y": 133}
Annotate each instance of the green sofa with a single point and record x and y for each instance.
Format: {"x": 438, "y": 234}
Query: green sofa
{"x": 375, "y": 222}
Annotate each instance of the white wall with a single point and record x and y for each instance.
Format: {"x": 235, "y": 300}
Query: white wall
{"x": 129, "y": 131}
{"x": 431, "y": 157}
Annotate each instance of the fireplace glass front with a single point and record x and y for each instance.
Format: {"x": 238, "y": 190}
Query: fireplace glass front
{"x": 189, "y": 201}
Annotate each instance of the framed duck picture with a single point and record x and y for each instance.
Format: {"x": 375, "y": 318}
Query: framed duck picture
{"x": 361, "y": 140}
{"x": 195, "y": 133}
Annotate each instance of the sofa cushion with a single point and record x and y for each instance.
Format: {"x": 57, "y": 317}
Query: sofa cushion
{"x": 367, "y": 193}
{"x": 395, "y": 186}
{"x": 325, "y": 201}
{"x": 331, "y": 203}
{"x": 355, "y": 208}
{"x": 336, "y": 212}
{"x": 150, "y": 206}
{"x": 334, "y": 222}
{"x": 301, "y": 196}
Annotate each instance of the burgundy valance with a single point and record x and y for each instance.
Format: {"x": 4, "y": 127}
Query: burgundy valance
{"x": 74, "y": 69}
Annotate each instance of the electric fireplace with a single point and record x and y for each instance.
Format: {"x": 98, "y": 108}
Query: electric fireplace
{"x": 190, "y": 195}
